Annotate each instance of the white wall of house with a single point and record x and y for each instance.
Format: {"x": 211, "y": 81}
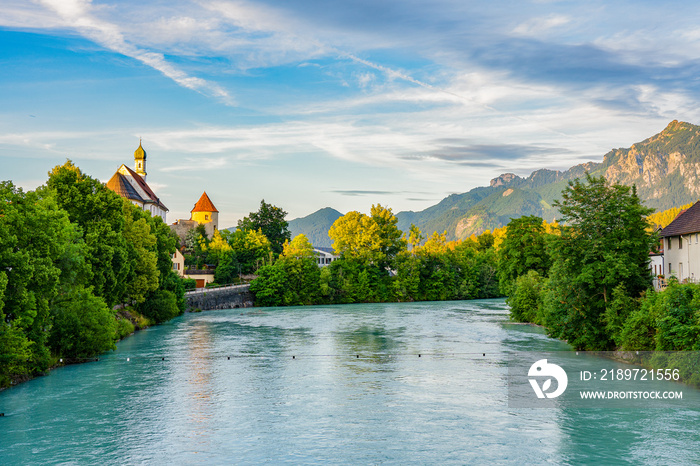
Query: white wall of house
{"x": 324, "y": 258}
{"x": 682, "y": 257}
{"x": 656, "y": 264}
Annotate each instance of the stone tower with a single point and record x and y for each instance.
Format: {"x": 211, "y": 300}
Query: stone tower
{"x": 140, "y": 161}
{"x": 206, "y": 214}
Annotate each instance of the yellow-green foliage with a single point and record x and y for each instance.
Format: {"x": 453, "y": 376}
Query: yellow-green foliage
{"x": 664, "y": 218}
{"x": 124, "y": 328}
{"x": 137, "y": 320}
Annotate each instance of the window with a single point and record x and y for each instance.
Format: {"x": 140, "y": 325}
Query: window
{"x": 669, "y": 243}
{"x": 669, "y": 269}
{"x": 680, "y": 242}
{"x": 206, "y": 217}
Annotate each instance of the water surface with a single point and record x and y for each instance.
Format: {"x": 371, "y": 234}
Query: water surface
{"x": 320, "y": 385}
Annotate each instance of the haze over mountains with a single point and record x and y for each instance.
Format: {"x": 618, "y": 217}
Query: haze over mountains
{"x": 665, "y": 168}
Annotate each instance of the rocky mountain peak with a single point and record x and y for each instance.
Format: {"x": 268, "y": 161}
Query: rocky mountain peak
{"x": 504, "y": 179}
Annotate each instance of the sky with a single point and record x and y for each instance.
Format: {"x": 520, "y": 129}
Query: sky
{"x": 312, "y": 104}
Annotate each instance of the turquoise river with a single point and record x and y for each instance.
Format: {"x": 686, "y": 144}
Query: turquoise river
{"x": 329, "y": 385}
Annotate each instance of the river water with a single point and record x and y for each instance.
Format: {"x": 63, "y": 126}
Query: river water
{"x": 327, "y": 385}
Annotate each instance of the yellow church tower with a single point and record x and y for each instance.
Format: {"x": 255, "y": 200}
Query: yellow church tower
{"x": 206, "y": 214}
{"x": 140, "y": 161}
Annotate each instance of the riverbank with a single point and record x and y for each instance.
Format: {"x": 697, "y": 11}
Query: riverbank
{"x": 129, "y": 321}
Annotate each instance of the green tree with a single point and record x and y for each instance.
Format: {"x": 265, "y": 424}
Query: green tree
{"x": 142, "y": 246}
{"x": 160, "y": 306}
{"x": 36, "y": 240}
{"x": 605, "y": 243}
{"x": 197, "y": 247}
{"x": 99, "y": 214}
{"x": 406, "y": 284}
{"x": 525, "y": 300}
{"x": 356, "y": 236}
{"x": 83, "y": 325}
{"x": 293, "y": 280}
{"x": 390, "y": 238}
{"x": 270, "y": 220}
{"x": 252, "y": 249}
{"x": 166, "y": 243}
{"x": 524, "y": 248}
{"x": 270, "y": 285}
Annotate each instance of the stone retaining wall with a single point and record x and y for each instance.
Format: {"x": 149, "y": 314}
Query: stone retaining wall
{"x": 230, "y": 297}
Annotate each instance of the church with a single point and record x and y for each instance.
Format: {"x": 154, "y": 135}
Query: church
{"x": 131, "y": 184}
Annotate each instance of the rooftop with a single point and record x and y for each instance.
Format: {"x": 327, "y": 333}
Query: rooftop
{"x": 204, "y": 204}
{"x": 685, "y": 223}
{"x": 119, "y": 184}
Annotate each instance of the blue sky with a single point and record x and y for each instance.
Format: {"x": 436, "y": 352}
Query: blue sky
{"x": 343, "y": 104}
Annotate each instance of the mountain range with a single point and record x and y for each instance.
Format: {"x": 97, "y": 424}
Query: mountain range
{"x": 665, "y": 168}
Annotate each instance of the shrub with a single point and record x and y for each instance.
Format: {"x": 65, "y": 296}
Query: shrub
{"x": 526, "y": 301}
{"x": 124, "y": 328}
{"x": 160, "y": 306}
{"x": 83, "y": 325}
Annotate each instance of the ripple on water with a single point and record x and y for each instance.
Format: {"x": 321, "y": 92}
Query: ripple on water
{"x": 319, "y": 385}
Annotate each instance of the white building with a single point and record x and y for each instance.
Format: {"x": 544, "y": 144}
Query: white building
{"x": 132, "y": 185}
{"x": 681, "y": 241}
{"x": 324, "y": 256}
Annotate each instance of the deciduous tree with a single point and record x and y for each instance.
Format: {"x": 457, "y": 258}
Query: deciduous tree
{"x": 604, "y": 244}
{"x": 270, "y": 220}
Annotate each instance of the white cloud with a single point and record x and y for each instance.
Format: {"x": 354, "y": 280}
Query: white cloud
{"x": 81, "y": 16}
{"x": 537, "y": 27}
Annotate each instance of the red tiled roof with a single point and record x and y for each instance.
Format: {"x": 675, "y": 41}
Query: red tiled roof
{"x": 686, "y": 222}
{"x": 204, "y": 204}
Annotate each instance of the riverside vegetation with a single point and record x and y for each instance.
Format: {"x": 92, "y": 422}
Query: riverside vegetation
{"x": 590, "y": 284}
{"x": 70, "y": 252}
{"x": 587, "y": 280}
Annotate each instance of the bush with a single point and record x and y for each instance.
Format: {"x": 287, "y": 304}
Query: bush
{"x": 160, "y": 306}
{"x": 526, "y": 300}
{"x": 269, "y": 287}
{"x": 124, "y": 328}
{"x": 83, "y": 325}
{"x": 189, "y": 284}
{"x": 173, "y": 282}
{"x": 620, "y": 308}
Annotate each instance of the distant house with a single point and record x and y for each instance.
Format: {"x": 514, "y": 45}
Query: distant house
{"x": 681, "y": 245}
{"x": 131, "y": 184}
{"x": 201, "y": 277}
{"x": 178, "y": 263}
{"x": 324, "y": 256}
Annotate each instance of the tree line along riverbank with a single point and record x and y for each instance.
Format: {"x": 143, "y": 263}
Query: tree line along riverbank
{"x": 72, "y": 250}
{"x": 586, "y": 280}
